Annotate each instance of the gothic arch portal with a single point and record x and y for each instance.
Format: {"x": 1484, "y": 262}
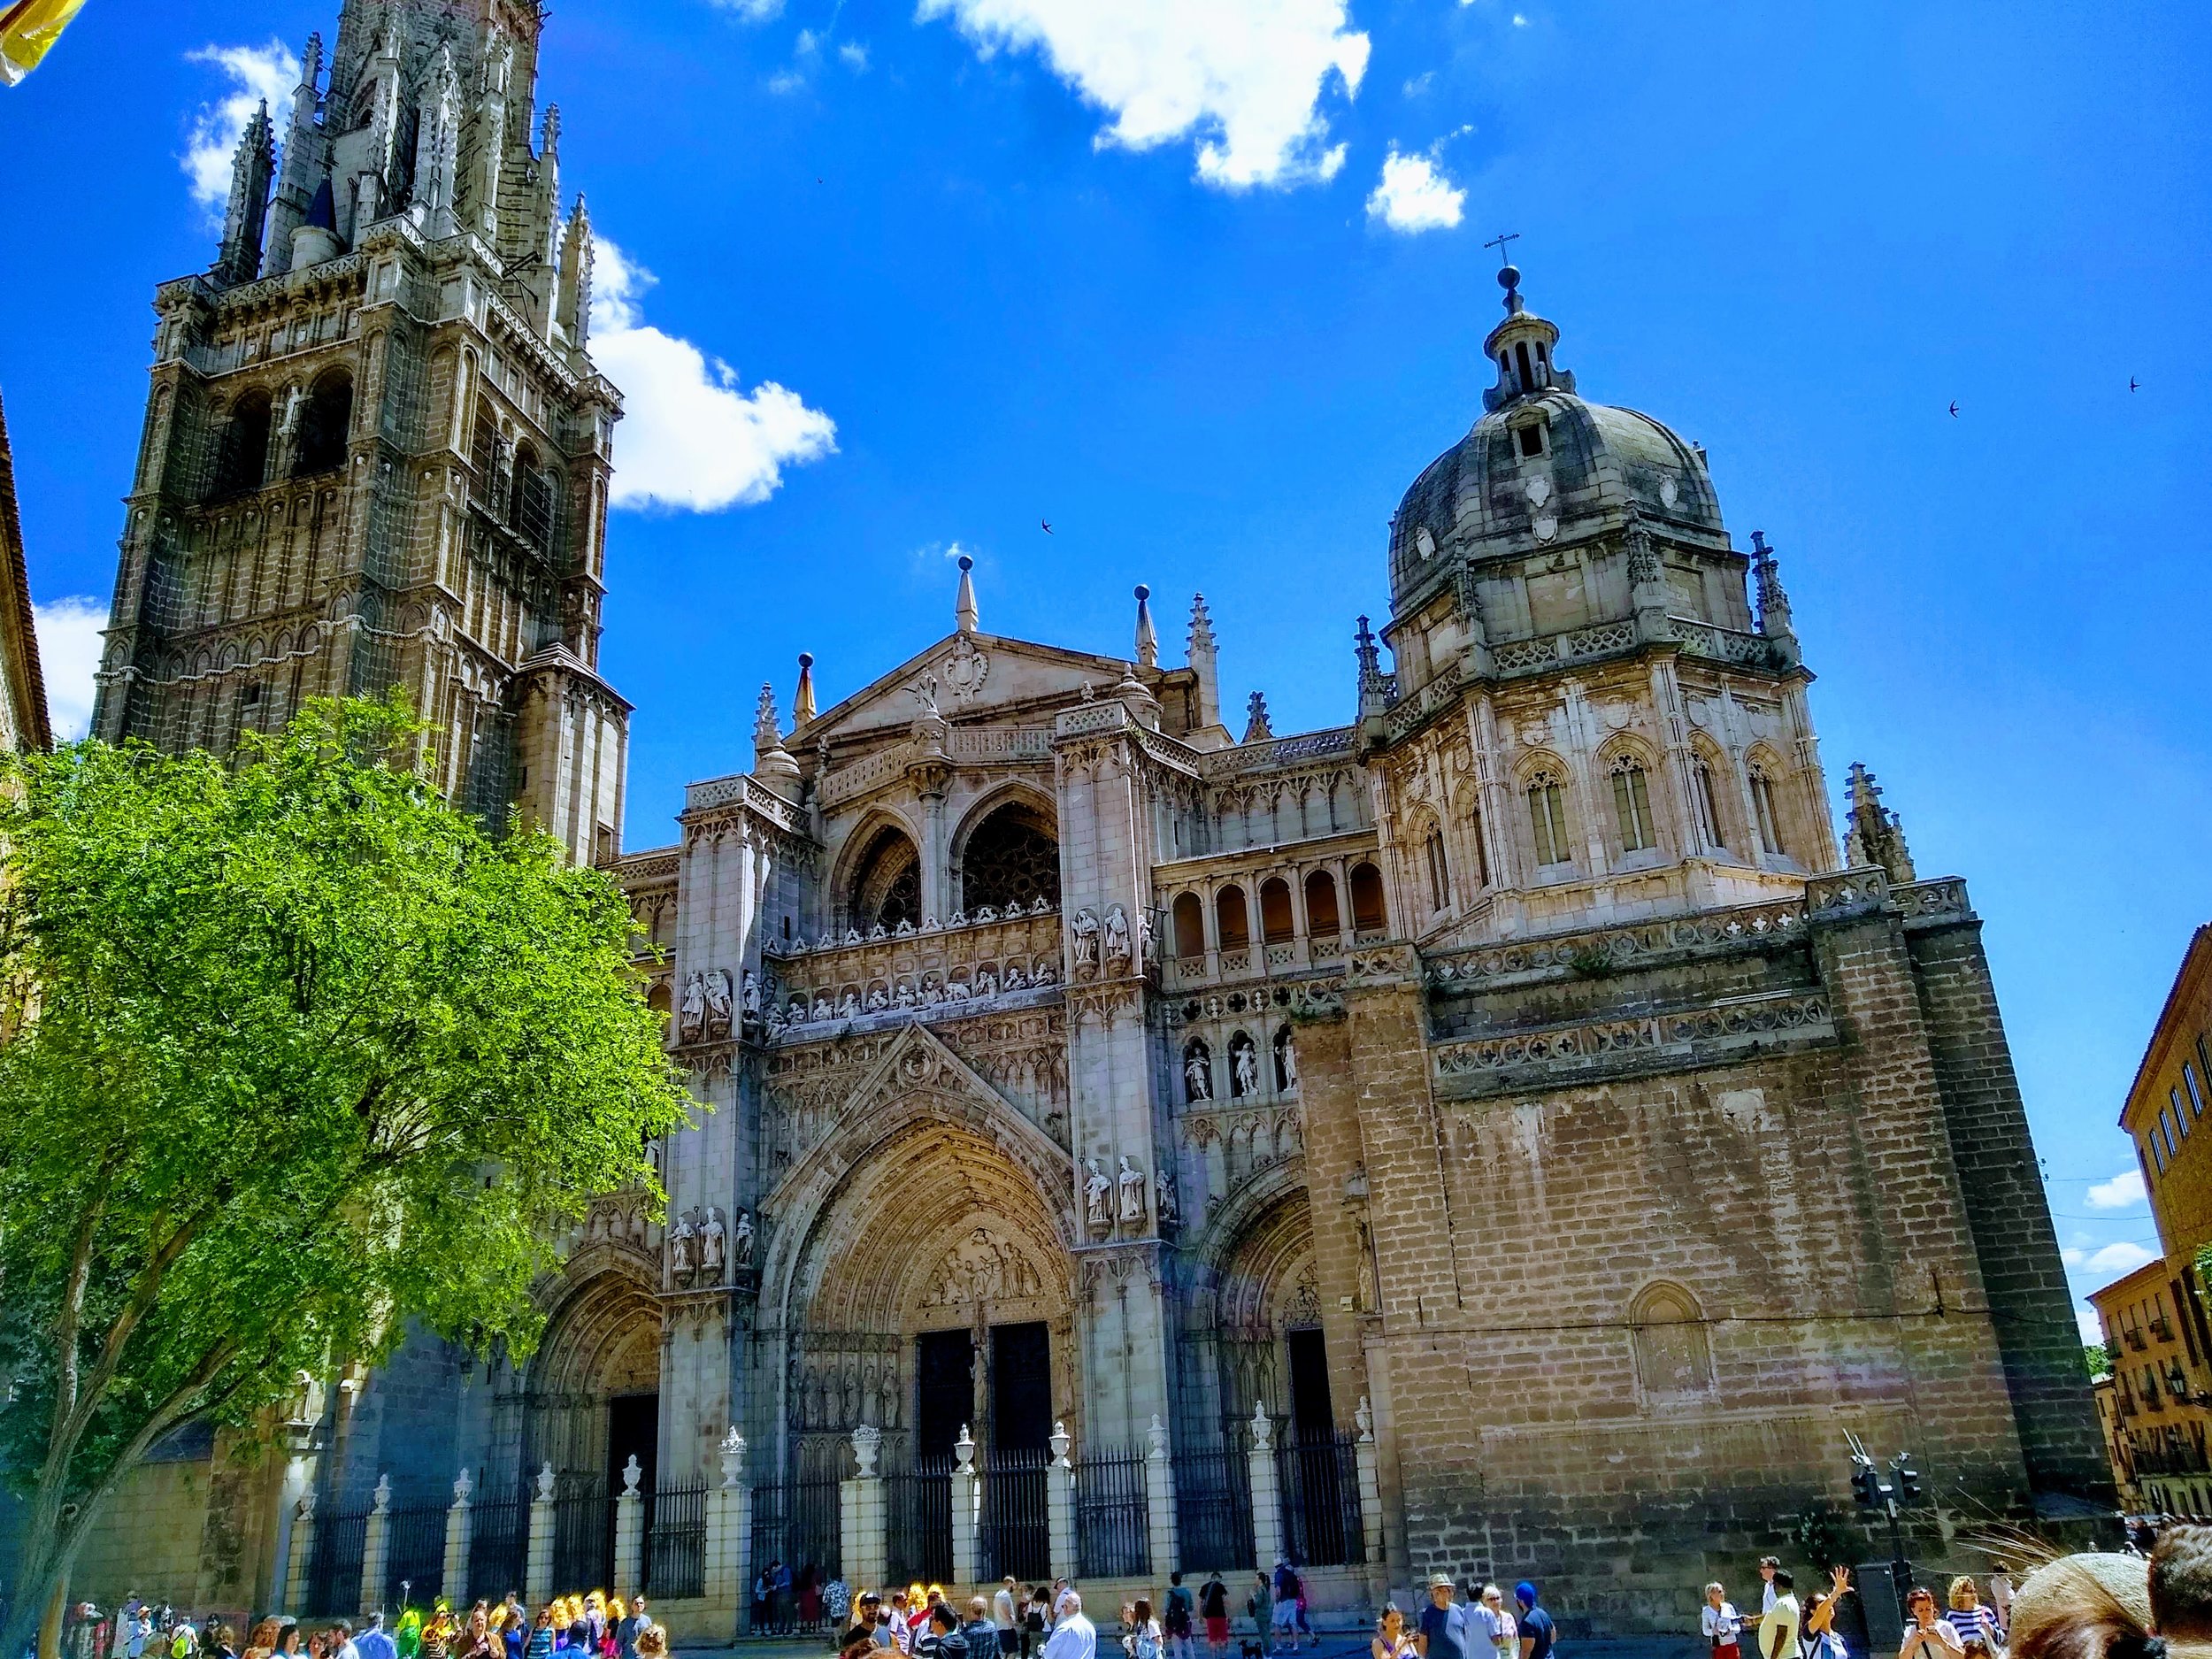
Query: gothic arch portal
{"x": 603, "y": 1340}
{"x": 1256, "y": 1267}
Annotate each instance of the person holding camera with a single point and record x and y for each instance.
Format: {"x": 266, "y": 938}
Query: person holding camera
{"x": 1926, "y": 1636}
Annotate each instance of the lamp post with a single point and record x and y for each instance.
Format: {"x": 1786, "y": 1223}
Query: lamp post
{"x": 1875, "y": 1493}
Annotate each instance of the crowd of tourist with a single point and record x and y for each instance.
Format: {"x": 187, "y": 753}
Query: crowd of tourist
{"x": 585, "y": 1625}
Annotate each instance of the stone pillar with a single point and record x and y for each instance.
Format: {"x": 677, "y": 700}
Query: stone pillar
{"x": 458, "y": 1529}
{"x": 629, "y": 1531}
{"x": 1267, "y": 1498}
{"x": 1159, "y": 1500}
{"x": 1060, "y": 1504}
{"x": 376, "y": 1548}
{"x": 729, "y": 1545}
{"x": 298, "y": 1478}
{"x": 1370, "y": 1516}
{"x": 864, "y": 1515}
{"x": 303, "y": 1554}
{"x": 538, "y": 1577}
{"x": 967, "y": 1506}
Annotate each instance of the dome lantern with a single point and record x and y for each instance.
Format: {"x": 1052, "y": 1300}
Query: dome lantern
{"x": 1521, "y": 346}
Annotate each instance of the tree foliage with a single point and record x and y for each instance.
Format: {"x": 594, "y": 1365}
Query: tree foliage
{"x": 305, "y": 1055}
{"x": 2096, "y": 1359}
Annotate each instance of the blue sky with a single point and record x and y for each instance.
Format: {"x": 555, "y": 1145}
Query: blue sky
{"x": 906, "y": 280}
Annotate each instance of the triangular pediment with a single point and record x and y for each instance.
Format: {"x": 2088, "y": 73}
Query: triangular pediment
{"x": 980, "y": 679}
{"x": 919, "y": 1062}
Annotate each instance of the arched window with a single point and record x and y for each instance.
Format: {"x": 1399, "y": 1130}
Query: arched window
{"x": 1674, "y": 1357}
{"x": 530, "y": 501}
{"x": 1708, "y": 803}
{"x": 243, "y": 461}
{"x": 1367, "y": 899}
{"x": 1474, "y": 840}
{"x": 1321, "y": 913}
{"x": 324, "y": 426}
{"x": 886, "y": 887}
{"x": 1190, "y": 926}
{"x": 1275, "y": 921}
{"x": 1762, "y": 804}
{"x": 1632, "y": 805}
{"x": 1548, "y": 819}
{"x": 1011, "y": 858}
{"x": 1233, "y": 924}
{"x": 1440, "y": 873}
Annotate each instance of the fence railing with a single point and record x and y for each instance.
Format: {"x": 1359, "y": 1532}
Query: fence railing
{"x": 676, "y": 1541}
{"x": 1014, "y": 1533}
{"x": 414, "y": 1544}
{"x": 1213, "y": 1509}
{"x": 583, "y": 1530}
{"x": 796, "y": 1522}
{"x": 919, "y": 1500}
{"x": 499, "y": 1534}
{"x": 334, "y": 1567}
{"x": 1319, "y": 1479}
{"x": 1113, "y": 1535}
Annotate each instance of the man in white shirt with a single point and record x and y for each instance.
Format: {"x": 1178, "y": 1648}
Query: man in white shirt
{"x": 1073, "y": 1636}
{"x": 1002, "y": 1612}
{"x": 343, "y": 1631}
{"x": 1769, "y": 1565}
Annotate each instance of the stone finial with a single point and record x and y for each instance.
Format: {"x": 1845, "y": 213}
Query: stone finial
{"x": 545, "y": 1482}
{"x": 1262, "y": 1431}
{"x": 803, "y": 703}
{"x": 572, "y": 307}
{"x": 1060, "y": 1443}
{"x": 252, "y": 165}
{"x": 963, "y": 611}
{"x": 463, "y": 1484}
{"x": 1873, "y": 834}
{"x": 963, "y": 1452}
{"x": 311, "y": 65}
{"x": 1147, "y": 639}
{"x": 1365, "y": 1417}
{"x": 732, "y": 1452}
{"x": 867, "y": 1446}
{"x": 1774, "y": 604}
{"x": 550, "y": 132}
{"x": 765, "y": 737}
{"x": 1204, "y": 661}
{"x": 1156, "y": 1437}
{"x": 631, "y": 1475}
{"x": 383, "y": 1494}
{"x": 1257, "y": 730}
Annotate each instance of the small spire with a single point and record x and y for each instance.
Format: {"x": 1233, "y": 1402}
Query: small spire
{"x": 1370, "y": 675}
{"x": 963, "y": 612}
{"x": 550, "y": 132}
{"x": 1774, "y": 604}
{"x": 765, "y": 737}
{"x": 1147, "y": 640}
{"x": 1257, "y": 730}
{"x": 1873, "y": 834}
{"x": 803, "y": 704}
{"x": 1201, "y": 625}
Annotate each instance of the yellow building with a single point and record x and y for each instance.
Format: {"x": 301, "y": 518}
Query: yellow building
{"x": 2155, "y": 1322}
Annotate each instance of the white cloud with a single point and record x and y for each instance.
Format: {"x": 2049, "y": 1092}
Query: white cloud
{"x": 68, "y": 655}
{"x": 752, "y": 11}
{"x": 2086, "y": 1322}
{"x": 854, "y": 56}
{"x": 2123, "y": 1191}
{"x": 1520, "y": 20}
{"x": 691, "y": 437}
{"x": 2073, "y": 1256}
{"x": 808, "y": 44}
{"x": 786, "y": 82}
{"x": 256, "y": 72}
{"x": 2123, "y": 1258}
{"x": 1245, "y": 77}
{"x": 1413, "y": 196}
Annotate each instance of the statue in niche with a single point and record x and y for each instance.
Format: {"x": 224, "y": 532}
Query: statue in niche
{"x": 877, "y": 999}
{"x": 1244, "y": 1065}
{"x": 691, "y": 1023}
{"x": 1198, "y": 1068}
{"x": 905, "y": 998}
{"x": 1132, "y": 1183}
{"x": 1286, "y": 1060}
{"x": 1116, "y": 933}
{"x": 752, "y": 1003}
{"x": 1045, "y": 973}
{"x": 1083, "y": 933}
{"x": 956, "y": 990}
{"x": 1164, "y": 1201}
{"x": 1145, "y": 951}
{"x": 1095, "y": 1197}
{"x": 743, "y": 1240}
{"x": 986, "y": 983}
{"x": 680, "y": 1238}
{"x": 710, "y": 1247}
{"x": 1015, "y": 981}
{"x": 848, "y": 1005}
{"x": 718, "y": 989}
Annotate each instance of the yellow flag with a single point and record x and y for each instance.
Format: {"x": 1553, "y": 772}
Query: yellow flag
{"x": 28, "y": 27}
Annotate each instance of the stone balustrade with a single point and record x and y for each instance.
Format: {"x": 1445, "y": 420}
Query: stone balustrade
{"x": 986, "y": 960}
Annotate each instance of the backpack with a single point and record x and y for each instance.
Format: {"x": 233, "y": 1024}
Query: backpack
{"x": 1148, "y": 1645}
{"x": 181, "y": 1646}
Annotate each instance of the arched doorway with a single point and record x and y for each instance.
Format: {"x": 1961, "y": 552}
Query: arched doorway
{"x": 886, "y": 886}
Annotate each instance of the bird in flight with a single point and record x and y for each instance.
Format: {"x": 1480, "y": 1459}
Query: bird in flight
{"x": 2134, "y": 384}
{"x": 1954, "y": 409}
{"x": 1047, "y": 524}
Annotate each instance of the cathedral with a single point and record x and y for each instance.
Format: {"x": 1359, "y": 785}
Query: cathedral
{"x": 1505, "y": 1132}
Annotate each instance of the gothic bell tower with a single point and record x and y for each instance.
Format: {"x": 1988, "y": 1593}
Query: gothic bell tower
{"x": 376, "y": 450}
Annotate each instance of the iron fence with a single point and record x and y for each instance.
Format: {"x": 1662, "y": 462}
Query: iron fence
{"x": 920, "y": 1503}
{"x": 796, "y": 1522}
{"x": 499, "y": 1535}
{"x": 676, "y": 1541}
{"x": 1113, "y": 1533}
{"x": 333, "y": 1565}
{"x": 1320, "y": 1478}
{"x": 414, "y": 1544}
{"x": 1014, "y": 1533}
{"x": 1213, "y": 1509}
{"x": 583, "y": 1533}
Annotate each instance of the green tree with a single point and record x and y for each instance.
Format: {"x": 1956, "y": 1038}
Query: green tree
{"x": 309, "y": 1056}
{"x": 2099, "y": 1362}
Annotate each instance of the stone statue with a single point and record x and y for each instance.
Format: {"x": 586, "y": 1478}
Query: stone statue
{"x": 1131, "y": 1180}
{"x": 1046, "y": 974}
{"x": 1083, "y": 932}
{"x": 717, "y": 988}
{"x": 711, "y": 1240}
{"x": 1285, "y": 1060}
{"x": 822, "y": 1009}
{"x": 849, "y": 1005}
{"x": 1164, "y": 1202}
{"x": 545, "y": 1483}
{"x": 879, "y": 999}
{"x": 986, "y": 983}
{"x": 680, "y": 1241}
{"x": 956, "y": 990}
{"x": 744, "y": 1238}
{"x": 752, "y": 1003}
{"x": 1015, "y": 980}
{"x": 1198, "y": 1082}
{"x": 1244, "y": 1065}
{"x": 1118, "y": 940}
{"x": 691, "y": 1024}
{"x": 1094, "y": 1196}
{"x": 1145, "y": 952}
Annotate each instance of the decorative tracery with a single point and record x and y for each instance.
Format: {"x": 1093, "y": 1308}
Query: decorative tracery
{"x": 1012, "y": 859}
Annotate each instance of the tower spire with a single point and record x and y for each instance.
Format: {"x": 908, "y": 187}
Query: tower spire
{"x": 803, "y": 703}
{"x": 963, "y": 612}
{"x": 1873, "y": 834}
{"x": 1147, "y": 640}
{"x": 765, "y": 737}
{"x": 251, "y": 167}
{"x": 1257, "y": 730}
{"x": 573, "y": 310}
{"x": 1205, "y": 662}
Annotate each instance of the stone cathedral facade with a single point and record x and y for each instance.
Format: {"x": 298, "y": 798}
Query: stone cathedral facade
{"x": 1518, "y": 1073}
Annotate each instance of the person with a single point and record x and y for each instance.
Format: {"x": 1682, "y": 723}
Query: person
{"x": 1005, "y": 1615}
{"x": 1033, "y": 1622}
{"x": 407, "y": 1634}
{"x": 1491, "y": 1620}
{"x": 1723, "y": 1625}
{"x": 1181, "y": 1609}
{"x": 1444, "y": 1626}
{"x": 1073, "y": 1636}
{"x": 1391, "y": 1640}
{"x": 898, "y": 1621}
{"x": 1260, "y": 1604}
{"x": 837, "y": 1601}
{"x": 1213, "y": 1613}
{"x": 981, "y": 1632}
{"x": 1777, "y": 1625}
{"x": 340, "y": 1642}
{"x": 808, "y": 1591}
{"x": 2000, "y": 1596}
{"x": 1141, "y": 1636}
{"x": 541, "y": 1633}
{"x": 626, "y": 1628}
{"x": 1977, "y": 1625}
{"x": 1926, "y": 1636}
{"x": 937, "y": 1636}
{"x": 142, "y": 1631}
{"x": 1538, "y": 1632}
{"x": 863, "y": 1629}
{"x": 761, "y": 1582}
{"x": 1769, "y": 1565}
{"x": 221, "y": 1641}
{"x": 376, "y": 1642}
{"x": 1818, "y": 1637}
{"x": 287, "y": 1639}
{"x": 652, "y": 1643}
{"x": 1284, "y": 1609}
{"x": 514, "y": 1633}
{"x": 781, "y": 1610}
